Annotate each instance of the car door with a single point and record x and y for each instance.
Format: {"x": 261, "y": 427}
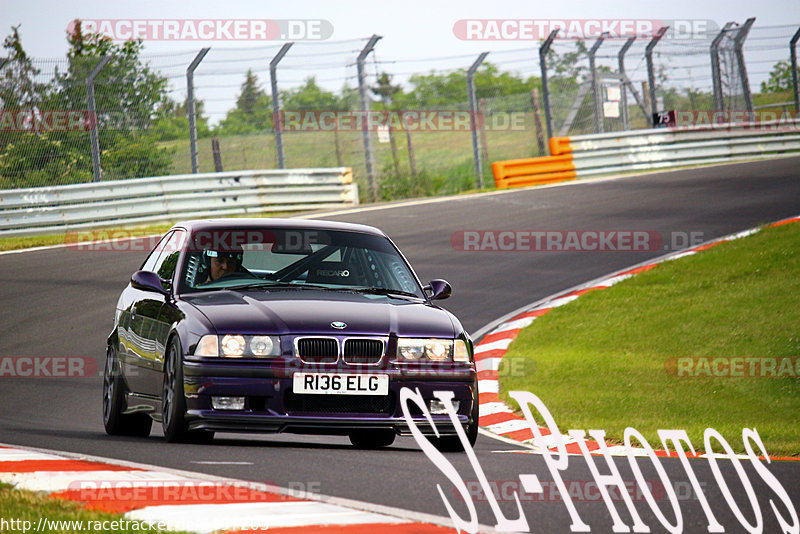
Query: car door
{"x": 168, "y": 313}
{"x": 140, "y": 316}
{"x": 155, "y": 323}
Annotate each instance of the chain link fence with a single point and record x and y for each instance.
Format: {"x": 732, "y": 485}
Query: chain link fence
{"x": 303, "y": 104}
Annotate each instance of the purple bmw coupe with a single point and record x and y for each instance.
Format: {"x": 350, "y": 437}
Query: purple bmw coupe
{"x": 284, "y": 325}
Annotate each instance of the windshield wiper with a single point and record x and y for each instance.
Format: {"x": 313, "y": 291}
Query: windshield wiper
{"x": 278, "y": 285}
{"x": 287, "y": 285}
{"x": 382, "y": 291}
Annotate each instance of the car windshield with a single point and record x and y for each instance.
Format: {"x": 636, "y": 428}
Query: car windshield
{"x": 296, "y": 257}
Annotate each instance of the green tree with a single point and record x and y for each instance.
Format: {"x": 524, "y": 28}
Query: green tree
{"x": 251, "y": 96}
{"x": 253, "y": 111}
{"x": 437, "y": 90}
{"x": 349, "y": 98}
{"x": 18, "y": 86}
{"x": 310, "y": 96}
{"x": 780, "y": 78}
{"x": 386, "y": 91}
{"x": 173, "y": 121}
{"x": 448, "y": 90}
{"x": 19, "y": 90}
{"x": 128, "y": 97}
{"x": 569, "y": 65}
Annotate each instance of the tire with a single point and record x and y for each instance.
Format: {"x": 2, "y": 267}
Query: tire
{"x": 452, "y": 443}
{"x": 173, "y": 401}
{"x": 372, "y": 439}
{"x": 115, "y": 422}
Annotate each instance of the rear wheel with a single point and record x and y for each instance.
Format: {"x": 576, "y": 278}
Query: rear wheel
{"x": 372, "y": 439}
{"x": 173, "y": 401}
{"x": 115, "y": 422}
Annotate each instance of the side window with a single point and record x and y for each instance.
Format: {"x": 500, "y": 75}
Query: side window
{"x": 168, "y": 260}
{"x": 150, "y": 262}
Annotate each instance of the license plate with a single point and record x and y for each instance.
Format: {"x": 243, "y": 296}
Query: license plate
{"x": 340, "y": 384}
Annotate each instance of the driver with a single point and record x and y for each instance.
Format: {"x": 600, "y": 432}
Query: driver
{"x": 221, "y": 263}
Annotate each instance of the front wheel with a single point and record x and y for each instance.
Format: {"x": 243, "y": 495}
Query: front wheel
{"x": 173, "y": 401}
{"x": 115, "y": 421}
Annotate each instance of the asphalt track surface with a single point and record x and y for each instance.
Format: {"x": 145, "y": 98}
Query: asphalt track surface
{"x": 60, "y": 302}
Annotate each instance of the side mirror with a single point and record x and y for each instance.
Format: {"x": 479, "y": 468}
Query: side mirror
{"x": 148, "y": 281}
{"x": 439, "y": 289}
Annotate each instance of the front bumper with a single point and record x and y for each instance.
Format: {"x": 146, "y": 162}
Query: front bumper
{"x": 271, "y": 406}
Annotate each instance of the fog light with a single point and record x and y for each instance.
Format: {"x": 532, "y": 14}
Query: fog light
{"x": 227, "y": 403}
{"x": 436, "y": 407}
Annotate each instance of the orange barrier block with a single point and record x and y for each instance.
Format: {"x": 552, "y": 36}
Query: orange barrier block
{"x": 533, "y": 171}
{"x": 559, "y": 146}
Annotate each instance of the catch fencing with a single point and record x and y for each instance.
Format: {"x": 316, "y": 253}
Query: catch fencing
{"x": 49, "y": 210}
{"x": 221, "y": 109}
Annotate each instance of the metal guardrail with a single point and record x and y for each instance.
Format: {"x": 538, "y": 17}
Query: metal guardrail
{"x": 718, "y": 149}
{"x": 42, "y": 210}
{"x": 656, "y": 148}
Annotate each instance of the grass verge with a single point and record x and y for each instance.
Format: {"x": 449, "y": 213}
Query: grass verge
{"x": 101, "y": 234}
{"x": 603, "y": 361}
{"x": 23, "y": 510}
{"x": 14, "y": 243}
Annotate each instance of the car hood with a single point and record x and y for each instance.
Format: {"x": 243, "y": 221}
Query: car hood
{"x": 306, "y": 311}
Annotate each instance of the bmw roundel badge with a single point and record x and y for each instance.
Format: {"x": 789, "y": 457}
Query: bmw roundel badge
{"x": 339, "y": 325}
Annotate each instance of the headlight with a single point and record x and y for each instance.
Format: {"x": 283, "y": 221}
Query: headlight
{"x": 239, "y": 346}
{"x": 208, "y": 346}
{"x": 233, "y": 346}
{"x": 262, "y": 345}
{"x": 435, "y": 350}
{"x": 461, "y": 354}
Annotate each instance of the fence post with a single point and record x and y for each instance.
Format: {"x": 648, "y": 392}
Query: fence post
{"x": 623, "y": 80}
{"x": 412, "y": 160}
{"x": 277, "y": 123}
{"x": 738, "y": 43}
{"x": 598, "y": 122}
{"x": 476, "y": 152}
{"x": 537, "y": 121}
{"x": 190, "y": 108}
{"x": 216, "y": 154}
{"x": 545, "y": 92}
{"x": 793, "y": 56}
{"x": 482, "y": 126}
{"x": 96, "y": 170}
{"x": 651, "y": 75}
{"x": 716, "y": 75}
{"x": 362, "y": 92}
